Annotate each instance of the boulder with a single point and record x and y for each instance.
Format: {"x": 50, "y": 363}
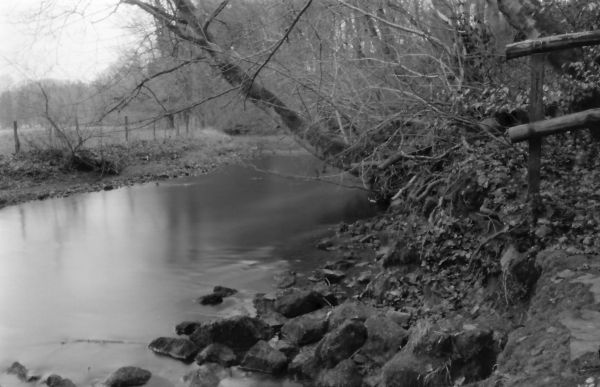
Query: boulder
{"x": 385, "y": 338}
{"x": 238, "y": 333}
{"x": 341, "y": 343}
{"x": 345, "y": 374}
{"x": 264, "y": 304}
{"x": 177, "y": 348}
{"x": 475, "y": 353}
{"x": 288, "y": 349}
{"x": 404, "y": 370}
{"x": 223, "y": 291}
{"x": 350, "y": 310}
{"x": 285, "y": 279}
{"x": 407, "y": 370}
{"x": 217, "y": 353}
{"x": 208, "y": 375}
{"x": 305, "y": 329}
{"x": 211, "y": 299}
{"x": 216, "y": 297}
{"x": 19, "y": 370}
{"x": 305, "y": 365}
{"x": 58, "y": 381}
{"x": 297, "y": 302}
{"x": 128, "y": 376}
{"x": 264, "y": 358}
{"x": 187, "y": 327}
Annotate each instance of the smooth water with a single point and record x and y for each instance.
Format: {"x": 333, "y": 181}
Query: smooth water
{"x": 86, "y": 282}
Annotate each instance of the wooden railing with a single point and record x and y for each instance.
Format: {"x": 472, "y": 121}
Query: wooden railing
{"x": 538, "y": 127}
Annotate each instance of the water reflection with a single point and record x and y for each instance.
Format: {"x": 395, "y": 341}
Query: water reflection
{"x": 126, "y": 265}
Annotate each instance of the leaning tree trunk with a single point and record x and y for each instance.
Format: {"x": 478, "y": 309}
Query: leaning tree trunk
{"x": 533, "y": 21}
{"x": 186, "y": 24}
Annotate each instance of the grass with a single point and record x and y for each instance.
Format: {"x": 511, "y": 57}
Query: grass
{"x": 38, "y": 137}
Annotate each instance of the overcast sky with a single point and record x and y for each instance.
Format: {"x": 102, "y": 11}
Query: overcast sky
{"x": 45, "y": 39}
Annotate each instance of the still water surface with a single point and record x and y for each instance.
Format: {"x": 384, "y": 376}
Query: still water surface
{"x": 87, "y": 281}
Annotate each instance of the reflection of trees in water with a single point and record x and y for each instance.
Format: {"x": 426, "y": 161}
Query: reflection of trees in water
{"x": 243, "y": 209}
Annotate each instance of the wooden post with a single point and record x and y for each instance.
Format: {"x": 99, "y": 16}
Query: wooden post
{"x": 126, "y": 129}
{"x": 536, "y": 113}
{"x": 17, "y": 142}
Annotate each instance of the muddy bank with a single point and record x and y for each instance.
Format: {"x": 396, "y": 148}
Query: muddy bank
{"x": 42, "y": 174}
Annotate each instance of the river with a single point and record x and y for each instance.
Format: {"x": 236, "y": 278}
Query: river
{"x": 86, "y": 282}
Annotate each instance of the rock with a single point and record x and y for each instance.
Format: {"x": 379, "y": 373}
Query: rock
{"x": 384, "y": 338}
{"x": 223, "y": 291}
{"x": 345, "y": 374}
{"x": 264, "y": 304}
{"x": 128, "y": 376}
{"x": 217, "y": 353}
{"x": 400, "y": 318}
{"x": 288, "y": 349}
{"x": 406, "y": 370}
{"x": 211, "y": 299}
{"x": 187, "y": 327}
{"x": 326, "y": 293}
{"x": 384, "y": 282}
{"x": 275, "y": 321}
{"x": 208, "y": 375}
{"x": 305, "y": 329}
{"x": 21, "y": 372}
{"x": 238, "y": 333}
{"x": 333, "y": 276}
{"x": 263, "y": 358}
{"x": 350, "y": 310}
{"x": 285, "y": 279}
{"x": 58, "y": 381}
{"x": 477, "y": 350}
{"x": 432, "y": 343}
{"x": 324, "y": 244}
{"x": 341, "y": 343}
{"x": 298, "y": 302}
{"x": 216, "y": 297}
{"x": 177, "y": 348}
{"x": 304, "y": 365}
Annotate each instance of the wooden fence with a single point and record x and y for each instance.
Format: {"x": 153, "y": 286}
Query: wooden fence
{"x": 538, "y": 127}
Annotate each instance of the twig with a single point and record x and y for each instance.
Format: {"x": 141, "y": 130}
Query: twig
{"x": 283, "y": 38}
{"x": 489, "y": 239}
{"x": 401, "y": 190}
{"x": 215, "y": 13}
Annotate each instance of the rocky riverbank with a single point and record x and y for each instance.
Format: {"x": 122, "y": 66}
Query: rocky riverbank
{"x": 458, "y": 289}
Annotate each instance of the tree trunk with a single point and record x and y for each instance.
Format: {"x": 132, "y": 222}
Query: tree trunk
{"x": 186, "y": 24}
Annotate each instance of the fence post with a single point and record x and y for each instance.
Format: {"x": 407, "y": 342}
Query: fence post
{"x": 536, "y": 113}
{"x": 17, "y": 142}
{"x": 126, "y": 129}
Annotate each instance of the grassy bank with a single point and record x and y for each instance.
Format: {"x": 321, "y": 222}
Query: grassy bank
{"x": 43, "y": 172}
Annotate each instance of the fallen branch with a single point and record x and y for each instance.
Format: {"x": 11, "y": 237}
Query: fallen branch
{"x": 402, "y": 155}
